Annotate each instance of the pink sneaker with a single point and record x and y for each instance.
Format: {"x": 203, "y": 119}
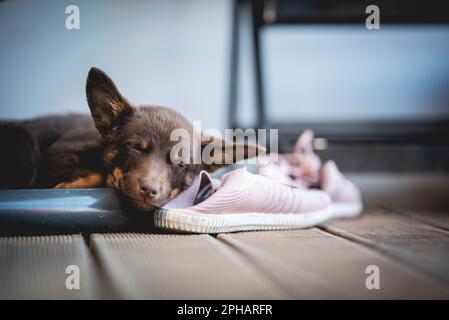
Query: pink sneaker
{"x": 300, "y": 168}
{"x": 303, "y": 168}
{"x": 242, "y": 201}
{"x": 345, "y": 196}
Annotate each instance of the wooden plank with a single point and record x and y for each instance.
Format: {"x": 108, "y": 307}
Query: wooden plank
{"x": 154, "y": 266}
{"x": 435, "y": 218}
{"x": 35, "y": 268}
{"x": 314, "y": 264}
{"x": 416, "y": 244}
{"x": 426, "y": 191}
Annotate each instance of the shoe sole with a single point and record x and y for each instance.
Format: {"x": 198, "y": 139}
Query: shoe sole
{"x": 187, "y": 221}
{"x": 346, "y": 210}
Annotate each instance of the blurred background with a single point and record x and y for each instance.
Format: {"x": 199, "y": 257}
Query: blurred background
{"x": 377, "y": 99}
{"x": 173, "y": 53}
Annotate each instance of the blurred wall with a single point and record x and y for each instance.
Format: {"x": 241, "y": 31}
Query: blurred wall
{"x": 350, "y": 73}
{"x": 176, "y": 53}
{"x": 172, "y": 53}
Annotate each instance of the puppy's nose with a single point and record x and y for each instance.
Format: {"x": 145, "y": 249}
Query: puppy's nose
{"x": 149, "y": 191}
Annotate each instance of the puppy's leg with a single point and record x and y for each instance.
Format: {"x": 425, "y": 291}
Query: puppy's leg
{"x": 93, "y": 180}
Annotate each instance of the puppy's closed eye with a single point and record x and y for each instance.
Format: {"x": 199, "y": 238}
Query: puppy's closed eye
{"x": 142, "y": 146}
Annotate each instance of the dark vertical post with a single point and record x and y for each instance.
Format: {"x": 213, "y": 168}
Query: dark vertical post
{"x": 257, "y": 17}
{"x": 234, "y": 66}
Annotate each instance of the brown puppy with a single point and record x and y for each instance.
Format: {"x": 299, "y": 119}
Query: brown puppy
{"x": 125, "y": 147}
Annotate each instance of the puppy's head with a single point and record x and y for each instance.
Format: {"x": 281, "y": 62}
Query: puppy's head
{"x": 138, "y": 149}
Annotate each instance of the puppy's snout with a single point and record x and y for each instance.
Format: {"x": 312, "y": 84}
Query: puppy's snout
{"x": 149, "y": 191}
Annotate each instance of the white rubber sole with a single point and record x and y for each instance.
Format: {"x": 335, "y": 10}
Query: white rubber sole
{"x": 346, "y": 210}
{"x": 187, "y": 221}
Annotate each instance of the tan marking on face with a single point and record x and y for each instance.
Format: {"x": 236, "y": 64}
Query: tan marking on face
{"x": 174, "y": 193}
{"x": 110, "y": 155}
{"x": 145, "y": 144}
{"x": 115, "y": 178}
{"x": 189, "y": 180}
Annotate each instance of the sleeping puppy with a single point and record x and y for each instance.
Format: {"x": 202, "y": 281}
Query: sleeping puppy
{"x": 122, "y": 146}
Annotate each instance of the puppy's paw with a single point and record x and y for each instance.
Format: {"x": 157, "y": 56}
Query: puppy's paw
{"x": 93, "y": 180}
{"x": 63, "y": 185}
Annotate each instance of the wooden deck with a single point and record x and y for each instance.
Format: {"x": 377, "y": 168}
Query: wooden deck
{"x": 410, "y": 248}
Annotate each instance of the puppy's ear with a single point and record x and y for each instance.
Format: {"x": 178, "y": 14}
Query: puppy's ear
{"x": 105, "y": 101}
{"x": 218, "y": 153}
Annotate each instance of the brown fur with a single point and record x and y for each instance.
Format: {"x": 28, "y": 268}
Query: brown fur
{"x": 122, "y": 146}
